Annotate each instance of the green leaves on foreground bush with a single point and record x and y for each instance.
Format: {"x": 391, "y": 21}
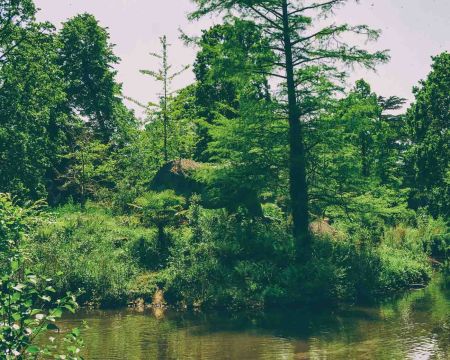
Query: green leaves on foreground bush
{"x": 29, "y": 306}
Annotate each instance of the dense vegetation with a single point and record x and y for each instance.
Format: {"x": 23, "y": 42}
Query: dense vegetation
{"x": 267, "y": 181}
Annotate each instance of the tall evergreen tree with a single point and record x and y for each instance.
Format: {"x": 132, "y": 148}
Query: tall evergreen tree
{"x": 290, "y": 27}
{"x": 165, "y": 77}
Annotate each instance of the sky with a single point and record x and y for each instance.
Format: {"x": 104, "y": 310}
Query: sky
{"x": 413, "y": 31}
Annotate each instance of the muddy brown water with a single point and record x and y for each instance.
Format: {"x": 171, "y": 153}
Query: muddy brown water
{"x": 413, "y": 326}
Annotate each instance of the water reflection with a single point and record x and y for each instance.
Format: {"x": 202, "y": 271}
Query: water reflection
{"x": 416, "y": 326}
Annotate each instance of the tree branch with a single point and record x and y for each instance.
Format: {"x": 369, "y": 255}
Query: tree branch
{"x": 270, "y": 74}
{"x": 269, "y": 20}
{"x": 273, "y": 12}
{"x": 315, "y": 6}
{"x": 326, "y": 31}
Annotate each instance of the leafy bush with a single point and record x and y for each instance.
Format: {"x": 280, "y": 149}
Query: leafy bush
{"x": 401, "y": 269}
{"x": 218, "y": 259}
{"x": 224, "y": 260}
{"x": 29, "y": 307}
{"x": 430, "y": 236}
{"x": 229, "y": 260}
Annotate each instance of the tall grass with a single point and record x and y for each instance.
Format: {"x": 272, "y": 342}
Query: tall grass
{"x": 94, "y": 251}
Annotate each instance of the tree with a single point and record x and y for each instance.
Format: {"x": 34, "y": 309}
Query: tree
{"x": 428, "y": 134}
{"x": 15, "y": 17}
{"x": 183, "y": 110}
{"x": 33, "y": 115}
{"x": 87, "y": 59}
{"x": 221, "y": 69}
{"x": 390, "y": 140}
{"x": 89, "y": 167}
{"x": 165, "y": 77}
{"x": 242, "y": 132}
{"x": 353, "y": 159}
{"x": 249, "y": 154}
{"x": 290, "y": 28}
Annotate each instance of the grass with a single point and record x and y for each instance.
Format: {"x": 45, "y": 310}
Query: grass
{"x": 96, "y": 252}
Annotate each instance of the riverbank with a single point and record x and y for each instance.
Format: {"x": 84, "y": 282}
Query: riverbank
{"x": 217, "y": 260}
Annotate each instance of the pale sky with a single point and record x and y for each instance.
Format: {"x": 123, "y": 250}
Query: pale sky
{"x": 414, "y": 30}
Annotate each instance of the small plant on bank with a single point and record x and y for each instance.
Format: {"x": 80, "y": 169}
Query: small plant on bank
{"x": 160, "y": 210}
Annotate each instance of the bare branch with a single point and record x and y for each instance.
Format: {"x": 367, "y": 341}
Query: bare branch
{"x": 273, "y": 12}
{"x": 315, "y": 6}
{"x": 270, "y": 74}
{"x": 265, "y": 17}
{"x": 138, "y": 103}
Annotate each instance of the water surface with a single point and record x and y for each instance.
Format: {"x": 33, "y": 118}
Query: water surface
{"x": 415, "y": 326}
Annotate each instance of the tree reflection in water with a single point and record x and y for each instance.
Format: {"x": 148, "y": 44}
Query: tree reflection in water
{"x": 417, "y": 325}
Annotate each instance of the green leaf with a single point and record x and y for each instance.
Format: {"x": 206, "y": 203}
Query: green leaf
{"x": 57, "y": 312}
{"x": 33, "y": 349}
{"x": 14, "y": 265}
{"x": 70, "y": 308}
{"x": 46, "y": 298}
{"x": 76, "y": 332}
{"x": 19, "y": 287}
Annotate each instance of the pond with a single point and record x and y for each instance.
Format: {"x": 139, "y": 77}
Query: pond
{"x": 414, "y": 326}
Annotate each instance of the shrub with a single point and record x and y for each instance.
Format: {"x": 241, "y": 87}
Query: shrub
{"x": 29, "y": 307}
{"x": 160, "y": 210}
{"x": 401, "y": 269}
{"x": 430, "y": 236}
{"x": 218, "y": 259}
{"x": 223, "y": 259}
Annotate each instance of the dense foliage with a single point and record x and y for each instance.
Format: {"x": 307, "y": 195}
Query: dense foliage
{"x": 428, "y": 154}
{"x": 265, "y": 181}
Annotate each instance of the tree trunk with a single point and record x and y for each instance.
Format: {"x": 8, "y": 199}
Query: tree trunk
{"x": 162, "y": 245}
{"x": 297, "y": 161}
{"x": 165, "y": 115}
{"x": 365, "y": 155}
{"x": 166, "y": 156}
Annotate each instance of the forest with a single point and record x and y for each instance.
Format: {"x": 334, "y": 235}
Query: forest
{"x": 269, "y": 181}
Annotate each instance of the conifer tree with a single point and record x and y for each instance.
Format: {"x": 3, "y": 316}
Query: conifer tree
{"x": 290, "y": 26}
{"x": 165, "y": 77}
